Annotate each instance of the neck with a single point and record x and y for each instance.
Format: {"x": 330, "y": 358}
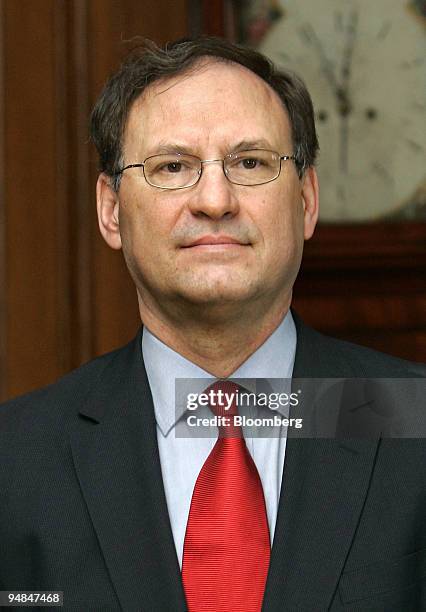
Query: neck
{"x": 217, "y": 344}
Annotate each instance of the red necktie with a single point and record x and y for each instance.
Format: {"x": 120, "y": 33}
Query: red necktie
{"x": 227, "y": 548}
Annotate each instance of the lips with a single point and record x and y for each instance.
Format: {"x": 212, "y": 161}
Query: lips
{"x": 214, "y": 240}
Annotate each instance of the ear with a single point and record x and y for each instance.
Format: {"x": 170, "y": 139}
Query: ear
{"x": 310, "y": 199}
{"x": 107, "y": 204}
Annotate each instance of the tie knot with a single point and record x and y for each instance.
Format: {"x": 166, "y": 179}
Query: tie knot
{"x": 223, "y": 402}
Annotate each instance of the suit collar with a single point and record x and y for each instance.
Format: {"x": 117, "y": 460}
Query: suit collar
{"x": 125, "y": 369}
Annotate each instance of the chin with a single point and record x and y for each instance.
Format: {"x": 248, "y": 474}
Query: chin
{"x": 216, "y": 297}
{"x": 218, "y": 291}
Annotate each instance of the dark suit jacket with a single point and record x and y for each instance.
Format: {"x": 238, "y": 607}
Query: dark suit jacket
{"x": 83, "y": 509}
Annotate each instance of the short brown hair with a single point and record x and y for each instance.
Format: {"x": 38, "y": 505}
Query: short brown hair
{"x": 148, "y": 63}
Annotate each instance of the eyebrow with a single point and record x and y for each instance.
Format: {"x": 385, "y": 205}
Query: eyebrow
{"x": 241, "y": 145}
{"x": 171, "y": 147}
{"x": 245, "y": 145}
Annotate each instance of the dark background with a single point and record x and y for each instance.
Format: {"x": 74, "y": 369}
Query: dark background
{"x": 64, "y": 296}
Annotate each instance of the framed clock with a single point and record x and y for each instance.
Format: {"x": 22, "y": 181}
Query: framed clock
{"x": 364, "y": 64}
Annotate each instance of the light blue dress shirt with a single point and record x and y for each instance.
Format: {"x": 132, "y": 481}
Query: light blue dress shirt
{"x": 183, "y": 457}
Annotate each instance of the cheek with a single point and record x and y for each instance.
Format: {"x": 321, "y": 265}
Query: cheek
{"x": 282, "y": 229}
{"x": 145, "y": 228}
{"x": 282, "y": 217}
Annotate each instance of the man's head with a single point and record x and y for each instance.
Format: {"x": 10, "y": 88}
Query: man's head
{"x": 149, "y": 63}
{"x": 209, "y": 99}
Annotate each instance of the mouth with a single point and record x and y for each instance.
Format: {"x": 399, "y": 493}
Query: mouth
{"x": 219, "y": 242}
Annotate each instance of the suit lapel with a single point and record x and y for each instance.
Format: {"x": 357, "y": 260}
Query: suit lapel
{"x": 116, "y": 458}
{"x": 324, "y": 486}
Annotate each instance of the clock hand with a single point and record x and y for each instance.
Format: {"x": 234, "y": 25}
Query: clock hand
{"x": 349, "y": 48}
{"x": 345, "y": 105}
{"x": 308, "y": 34}
{"x": 344, "y": 132}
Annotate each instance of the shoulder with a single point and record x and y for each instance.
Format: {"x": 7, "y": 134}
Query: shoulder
{"x": 369, "y": 362}
{"x": 62, "y": 398}
{"x": 323, "y": 356}
{"x": 35, "y": 428}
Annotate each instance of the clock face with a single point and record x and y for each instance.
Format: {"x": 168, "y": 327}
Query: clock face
{"x": 364, "y": 64}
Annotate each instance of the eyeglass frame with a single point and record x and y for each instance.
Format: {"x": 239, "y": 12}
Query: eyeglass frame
{"x": 207, "y": 161}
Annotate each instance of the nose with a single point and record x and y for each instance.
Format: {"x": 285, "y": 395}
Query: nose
{"x": 213, "y": 195}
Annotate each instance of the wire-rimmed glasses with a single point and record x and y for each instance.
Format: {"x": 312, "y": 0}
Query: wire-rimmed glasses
{"x": 180, "y": 170}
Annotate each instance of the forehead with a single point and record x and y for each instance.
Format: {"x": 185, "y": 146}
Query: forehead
{"x": 213, "y": 105}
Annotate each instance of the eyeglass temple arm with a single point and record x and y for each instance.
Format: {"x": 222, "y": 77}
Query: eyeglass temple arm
{"x": 141, "y": 165}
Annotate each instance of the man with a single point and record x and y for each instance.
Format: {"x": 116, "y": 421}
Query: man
{"x": 208, "y": 186}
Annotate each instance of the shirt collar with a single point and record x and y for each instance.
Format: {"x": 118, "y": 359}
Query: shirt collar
{"x": 273, "y": 359}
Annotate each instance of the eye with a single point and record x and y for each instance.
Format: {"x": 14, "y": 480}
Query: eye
{"x": 250, "y": 163}
{"x": 172, "y": 167}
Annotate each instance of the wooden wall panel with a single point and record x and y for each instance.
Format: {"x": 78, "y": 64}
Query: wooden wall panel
{"x": 80, "y": 189}
{"x": 36, "y": 241}
{"x": 64, "y": 296}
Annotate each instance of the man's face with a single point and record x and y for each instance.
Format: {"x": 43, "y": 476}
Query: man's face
{"x": 209, "y": 113}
